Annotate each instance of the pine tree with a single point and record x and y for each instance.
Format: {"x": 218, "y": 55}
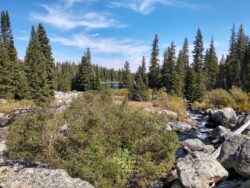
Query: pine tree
{"x": 47, "y": 52}
{"x": 127, "y": 81}
{"x": 143, "y": 72}
{"x": 168, "y": 68}
{"x": 35, "y": 69}
{"x": 221, "y": 76}
{"x": 139, "y": 89}
{"x": 15, "y": 71}
{"x": 6, "y": 89}
{"x": 86, "y": 73}
{"x": 154, "y": 69}
{"x": 198, "y": 65}
{"x": 192, "y": 86}
{"x": 211, "y": 67}
{"x": 185, "y": 53}
{"x": 179, "y": 76}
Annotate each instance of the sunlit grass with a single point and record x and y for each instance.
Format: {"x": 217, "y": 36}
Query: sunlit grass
{"x": 11, "y": 105}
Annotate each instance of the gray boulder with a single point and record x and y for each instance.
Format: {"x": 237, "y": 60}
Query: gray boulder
{"x": 199, "y": 170}
{"x": 39, "y": 178}
{"x": 219, "y": 134}
{"x": 197, "y": 145}
{"x": 241, "y": 161}
{"x": 229, "y": 148}
{"x": 225, "y": 117}
{"x": 180, "y": 126}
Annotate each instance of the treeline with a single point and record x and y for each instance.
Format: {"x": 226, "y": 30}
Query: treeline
{"x": 68, "y": 75}
{"x": 184, "y": 79}
{"x": 35, "y": 77}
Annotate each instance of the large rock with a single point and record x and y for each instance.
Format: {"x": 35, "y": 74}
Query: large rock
{"x": 39, "y": 178}
{"x": 180, "y": 126}
{"x": 219, "y": 134}
{"x": 241, "y": 160}
{"x": 199, "y": 170}
{"x": 244, "y": 119}
{"x": 225, "y": 117}
{"x": 5, "y": 120}
{"x": 197, "y": 145}
{"x": 229, "y": 148}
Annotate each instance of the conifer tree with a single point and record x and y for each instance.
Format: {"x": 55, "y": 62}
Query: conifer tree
{"x": 143, "y": 72}
{"x": 185, "y": 53}
{"x": 179, "y": 76}
{"x": 198, "y": 65}
{"x": 211, "y": 67}
{"x": 6, "y": 89}
{"x": 168, "y": 68}
{"x": 127, "y": 81}
{"x": 154, "y": 69}
{"x": 139, "y": 89}
{"x": 35, "y": 69}
{"x": 222, "y": 72}
{"x": 15, "y": 71}
{"x": 47, "y": 52}
{"x": 86, "y": 73}
{"x": 192, "y": 86}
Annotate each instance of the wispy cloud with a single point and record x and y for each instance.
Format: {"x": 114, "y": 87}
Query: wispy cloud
{"x": 64, "y": 16}
{"x": 147, "y": 6}
{"x": 125, "y": 47}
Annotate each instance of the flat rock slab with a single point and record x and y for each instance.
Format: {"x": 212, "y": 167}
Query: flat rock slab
{"x": 39, "y": 178}
{"x": 199, "y": 170}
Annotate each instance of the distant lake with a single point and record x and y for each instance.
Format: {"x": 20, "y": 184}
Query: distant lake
{"x": 113, "y": 85}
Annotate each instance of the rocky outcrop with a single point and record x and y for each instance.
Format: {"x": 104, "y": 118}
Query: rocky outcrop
{"x": 219, "y": 134}
{"x": 199, "y": 170}
{"x": 197, "y": 145}
{"x": 168, "y": 113}
{"x": 225, "y": 117}
{"x": 180, "y": 126}
{"x": 241, "y": 161}
{"x": 229, "y": 148}
{"x": 39, "y": 178}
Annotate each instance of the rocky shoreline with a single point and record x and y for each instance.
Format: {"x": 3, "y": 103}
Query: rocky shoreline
{"x": 197, "y": 165}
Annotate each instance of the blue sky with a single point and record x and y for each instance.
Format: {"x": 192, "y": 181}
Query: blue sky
{"x": 119, "y": 30}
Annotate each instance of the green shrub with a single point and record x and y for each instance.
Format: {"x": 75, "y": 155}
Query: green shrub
{"x": 238, "y": 95}
{"x": 108, "y": 145}
{"x": 219, "y": 98}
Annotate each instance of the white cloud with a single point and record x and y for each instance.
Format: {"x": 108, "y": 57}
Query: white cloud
{"x": 124, "y": 49}
{"x": 147, "y": 6}
{"x": 66, "y": 17}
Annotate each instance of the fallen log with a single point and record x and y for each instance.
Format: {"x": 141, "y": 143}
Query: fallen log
{"x": 216, "y": 153}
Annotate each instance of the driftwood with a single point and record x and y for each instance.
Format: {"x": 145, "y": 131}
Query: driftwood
{"x": 216, "y": 154}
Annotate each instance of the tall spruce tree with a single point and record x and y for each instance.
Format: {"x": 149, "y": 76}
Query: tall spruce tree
{"x": 185, "y": 53}
{"x": 6, "y": 89}
{"x": 15, "y": 71}
{"x": 143, "y": 72}
{"x": 221, "y": 76}
{"x": 127, "y": 81}
{"x": 179, "y": 76}
{"x": 211, "y": 67}
{"x": 35, "y": 69}
{"x": 139, "y": 89}
{"x": 86, "y": 73}
{"x": 168, "y": 69}
{"x": 154, "y": 68}
{"x": 198, "y": 65}
{"x": 47, "y": 52}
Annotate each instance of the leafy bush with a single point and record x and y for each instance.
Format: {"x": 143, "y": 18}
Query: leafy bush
{"x": 165, "y": 101}
{"x": 219, "y": 98}
{"x": 108, "y": 145}
{"x": 11, "y": 105}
